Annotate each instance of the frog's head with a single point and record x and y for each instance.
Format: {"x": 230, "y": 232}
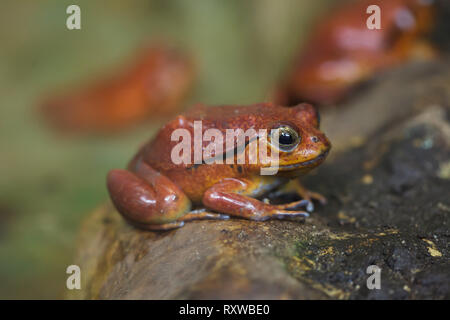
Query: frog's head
{"x": 300, "y": 145}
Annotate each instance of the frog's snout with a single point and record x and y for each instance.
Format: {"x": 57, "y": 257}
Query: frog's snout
{"x": 320, "y": 143}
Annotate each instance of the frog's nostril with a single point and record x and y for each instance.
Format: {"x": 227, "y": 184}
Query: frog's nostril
{"x": 314, "y": 139}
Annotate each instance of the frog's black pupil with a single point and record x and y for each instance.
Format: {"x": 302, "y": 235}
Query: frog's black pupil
{"x": 286, "y": 138}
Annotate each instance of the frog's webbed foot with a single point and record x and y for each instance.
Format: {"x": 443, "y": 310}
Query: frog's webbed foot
{"x": 230, "y": 196}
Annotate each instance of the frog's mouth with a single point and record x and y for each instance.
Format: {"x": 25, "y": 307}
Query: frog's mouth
{"x": 310, "y": 163}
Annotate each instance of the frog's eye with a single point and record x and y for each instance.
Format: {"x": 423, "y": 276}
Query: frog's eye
{"x": 285, "y": 138}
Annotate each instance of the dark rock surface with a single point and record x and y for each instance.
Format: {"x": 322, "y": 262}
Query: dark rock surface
{"x": 388, "y": 184}
{"x": 392, "y": 198}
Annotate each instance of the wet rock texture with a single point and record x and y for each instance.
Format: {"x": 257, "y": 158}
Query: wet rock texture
{"x": 388, "y": 184}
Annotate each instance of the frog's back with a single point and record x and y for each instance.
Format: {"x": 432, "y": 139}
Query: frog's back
{"x": 159, "y": 150}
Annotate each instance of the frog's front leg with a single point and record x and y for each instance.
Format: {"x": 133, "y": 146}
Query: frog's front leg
{"x": 307, "y": 195}
{"x": 149, "y": 200}
{"x": 231, "y": 196}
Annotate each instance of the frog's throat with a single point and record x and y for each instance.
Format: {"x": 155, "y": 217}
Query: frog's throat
{"x": 309, "y": 163}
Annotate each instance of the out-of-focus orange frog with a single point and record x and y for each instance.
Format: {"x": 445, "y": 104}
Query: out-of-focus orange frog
{"x": 343, "y": 52}
{"x": 158, "y": 193}
{"x": 154, "y": 85}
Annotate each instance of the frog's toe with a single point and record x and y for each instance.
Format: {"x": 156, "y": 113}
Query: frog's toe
{"x": 316, "y": 196}
{"x": 307, "y": 204}
{"x": 290, "y": 214}
{"x": 310, "y": 206}
{"x": 306, "y": 194}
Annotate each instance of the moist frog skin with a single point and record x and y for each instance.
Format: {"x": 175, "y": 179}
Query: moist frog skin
{"x": 154, "y": 193}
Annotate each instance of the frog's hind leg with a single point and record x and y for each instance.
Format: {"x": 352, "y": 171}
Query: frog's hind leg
{"x": 147, "y": 198}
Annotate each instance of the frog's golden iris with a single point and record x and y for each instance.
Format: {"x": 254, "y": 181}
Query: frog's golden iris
{"x": 285, "y": 138}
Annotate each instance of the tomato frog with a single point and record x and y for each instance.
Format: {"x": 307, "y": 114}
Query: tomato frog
{"x": 158, "y": 193}
{"x": 154, "y": 85}
{"x": 343, "y": 52}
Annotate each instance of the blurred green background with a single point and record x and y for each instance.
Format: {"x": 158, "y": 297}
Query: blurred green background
{"x": 49, "y": 182}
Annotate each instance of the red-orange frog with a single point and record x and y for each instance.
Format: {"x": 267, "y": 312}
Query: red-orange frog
{"x": 342, "y": 51}
{"x": 154, "y": 85}
{"x": 155, "y": 193}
